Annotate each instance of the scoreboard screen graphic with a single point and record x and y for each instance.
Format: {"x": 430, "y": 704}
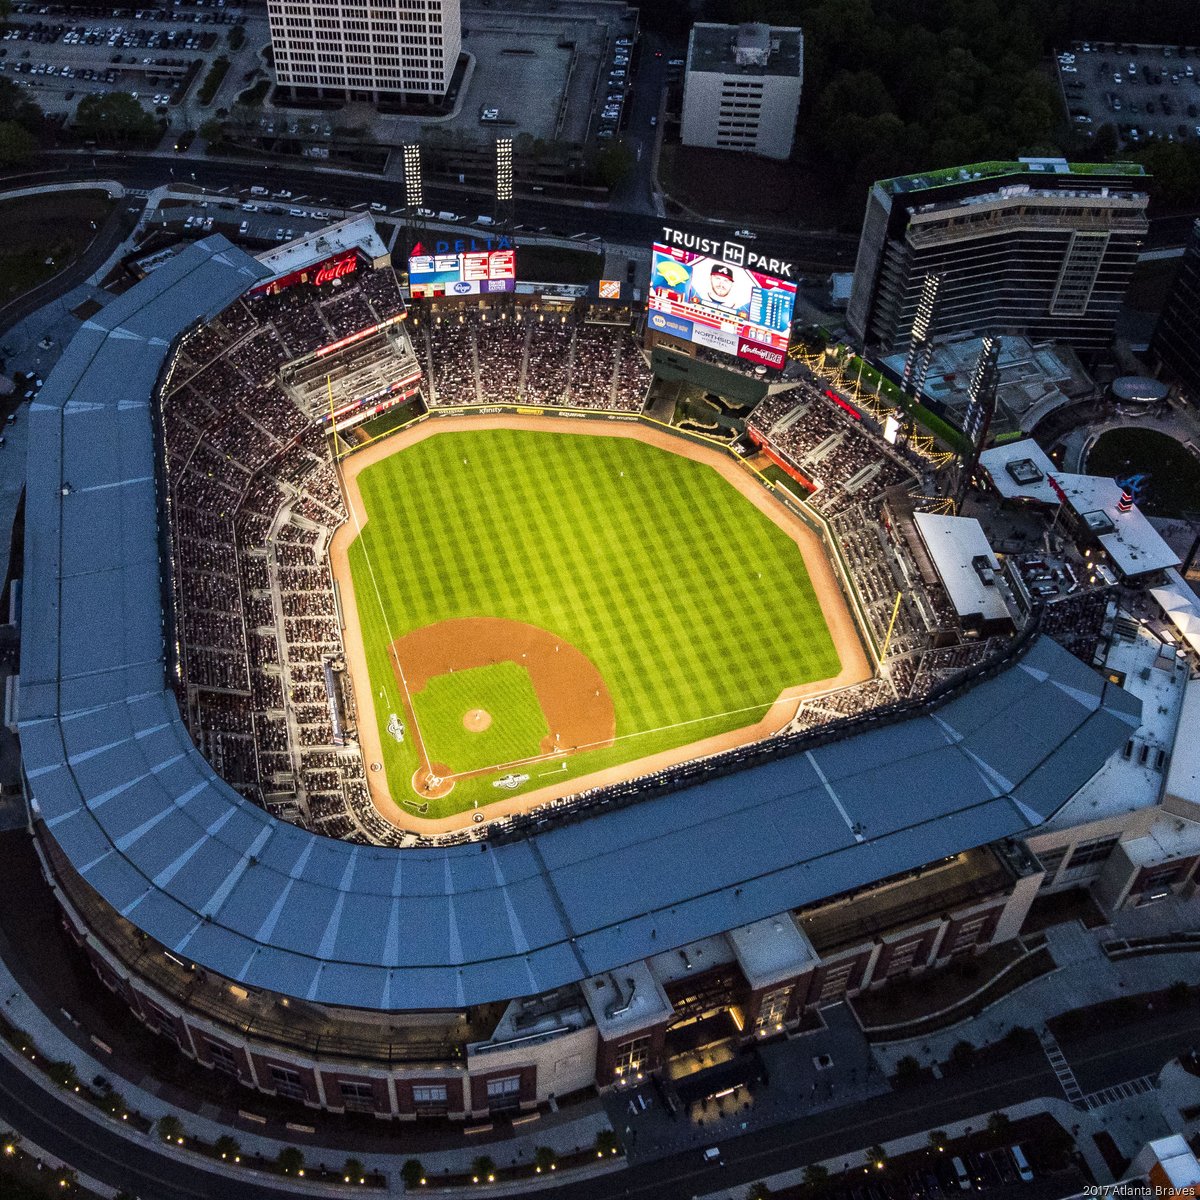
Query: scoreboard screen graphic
{"x": 468, "y": 273}
{"x": 721, "y": 305}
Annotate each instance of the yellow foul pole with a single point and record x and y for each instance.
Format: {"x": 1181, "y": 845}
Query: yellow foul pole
{"x": 891, "y": 625}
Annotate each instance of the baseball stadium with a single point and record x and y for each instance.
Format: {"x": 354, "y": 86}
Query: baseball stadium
{"x": 422, "y": 718}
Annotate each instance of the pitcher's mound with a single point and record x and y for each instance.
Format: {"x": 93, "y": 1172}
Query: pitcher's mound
{"x": 477, "y": 720}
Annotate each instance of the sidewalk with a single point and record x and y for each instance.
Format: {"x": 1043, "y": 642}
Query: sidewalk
{"x": 1059, "y": 1109}
{"x": 563, "y": 1137}
{"x": 1085, "y": 975}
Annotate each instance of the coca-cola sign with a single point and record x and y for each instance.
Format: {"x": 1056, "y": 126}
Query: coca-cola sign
{"x": 336, "y": 268}
{"x": 325, "y": 271}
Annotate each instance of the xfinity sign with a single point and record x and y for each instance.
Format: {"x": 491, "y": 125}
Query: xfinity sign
{"x": 737, "y": 254}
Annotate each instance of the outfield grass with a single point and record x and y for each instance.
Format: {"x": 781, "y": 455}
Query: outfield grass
{"x": 505, "y": 692}
{"x": 696, "y": 608}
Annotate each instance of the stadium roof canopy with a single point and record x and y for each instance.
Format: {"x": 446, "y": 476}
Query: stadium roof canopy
{"x": 956, "y": 545}
{"x": 1020, "y": 470}
{"x": 353, "y": 233}
{"x": 1132, "y": 543}
{"x": 145, "y": 820}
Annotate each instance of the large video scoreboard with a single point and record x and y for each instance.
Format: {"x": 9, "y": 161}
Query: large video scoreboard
{"x": 462, "y": 273}
{"x": 723, "y": 295}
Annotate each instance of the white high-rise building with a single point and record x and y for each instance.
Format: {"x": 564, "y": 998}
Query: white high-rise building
{"x": 366, "y": 49}
{"x": 742, "y": 88}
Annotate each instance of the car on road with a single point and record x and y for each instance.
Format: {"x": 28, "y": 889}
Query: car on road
{"x": 748, "y": 234}
{"x": 713, "y": 1157}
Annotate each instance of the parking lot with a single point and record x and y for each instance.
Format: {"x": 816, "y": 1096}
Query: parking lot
{"x": 549, "y": 75}
{"x": 62, "y": 54}
{"x": 1144, "y": 92}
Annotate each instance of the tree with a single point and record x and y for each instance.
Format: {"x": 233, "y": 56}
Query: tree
{"x": 483, "y": 1169}
{"x": 614, "y": 163}
{"x": 15, "y": 105}
{"x": 938, "y": 1140}
{"x": 237, "y": 37}
{"x": 962, "y": 1055}
{"x": 63, "y": 1073}
{"x": 998, "y": 1124}
{"x": 16, "y": 144}
{"x": 606, "y": 1142}
{"x": 908, "y": 1071}
{"x": 760, "y": 1191}
{"x": 290, "y": 1160}
{"x": 412, "y": 1173}
{"x": 353, "y": 1171}
{"x": 816, "y": 1176}
{"x": 226, "y": 1146}
{"x": 544, "y": 1158}
{"x": 877, "y": 1157}
{"x": 115, "y": 118}
{"x": 169, "y": 1128}
{"x": 213, "y": 132}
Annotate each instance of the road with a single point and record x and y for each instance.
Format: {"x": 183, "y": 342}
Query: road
{"x": 95, "y": 1146}
{"x": 636, "y": 194}
{"x": 809, "y": 251}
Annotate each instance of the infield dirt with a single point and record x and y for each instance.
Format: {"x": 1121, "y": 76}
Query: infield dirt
{"x": 855, "y": 665}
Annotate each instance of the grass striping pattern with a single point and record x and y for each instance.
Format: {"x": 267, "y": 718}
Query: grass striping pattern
{"x": 694, "y": 606}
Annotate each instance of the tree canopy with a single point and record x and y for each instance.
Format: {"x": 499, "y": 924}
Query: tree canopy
{"x": 114, "y": 118}
{"x": 900, "y": 86}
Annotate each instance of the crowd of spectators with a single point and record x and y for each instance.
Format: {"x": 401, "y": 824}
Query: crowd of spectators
{"x": 254, "y": 500}
{"x": 510, "y": 354}
{"x": 846, "y": 460}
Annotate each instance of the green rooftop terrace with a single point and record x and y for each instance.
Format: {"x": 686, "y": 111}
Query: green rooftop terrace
{"x": 996, "y": 170}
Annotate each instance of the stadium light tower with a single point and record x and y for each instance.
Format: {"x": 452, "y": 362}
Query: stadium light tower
{"x": 414, "y": 197}
{"x": 920, "y": 349}
{"x": 504, "y": 183}
{"x": 981, "y": 407}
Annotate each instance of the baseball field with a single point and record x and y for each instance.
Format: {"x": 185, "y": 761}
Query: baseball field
{"x": 536, "y": 606}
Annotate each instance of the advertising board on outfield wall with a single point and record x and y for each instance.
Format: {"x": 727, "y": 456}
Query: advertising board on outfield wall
{"x": 716, "y": 294}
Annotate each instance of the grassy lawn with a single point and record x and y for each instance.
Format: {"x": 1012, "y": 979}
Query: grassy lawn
{"x": 1172, "y": 486}
{"x": 34, "y": 229}
{"x": 650, "y": 564}
{"x": 556, "y": 264}
{"x": 741, "y": 187}
{"x": 505, "y": 692}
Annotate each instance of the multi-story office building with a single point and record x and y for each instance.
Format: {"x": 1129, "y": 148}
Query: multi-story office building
{"x": 1039, "y": 247}
{"x": 742, "y": 88}
{"x": 365, "y": 51}
{"x": 1176, "y": 344}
